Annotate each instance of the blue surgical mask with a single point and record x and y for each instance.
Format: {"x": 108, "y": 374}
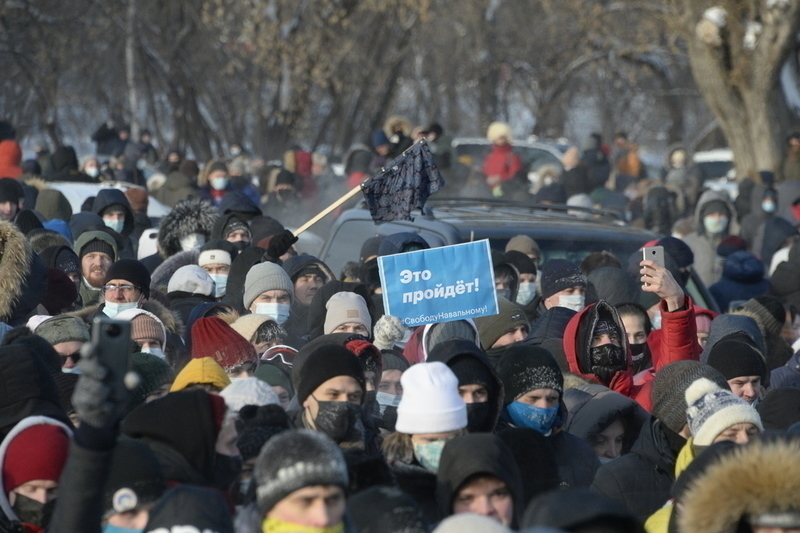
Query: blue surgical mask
{"x": 220, "y": 184}
{"x": 385, "y": 400}
{"x": 114, "y": 223}
{"x": 429, "y": 454}
{"x": 526, "y": 293}
{"x": 715, "y": 225}
{"x": 108, "y": 528}
{"x": 768, "y": 206}
{"x": 158, "y": 352}
{"x": 112, "y": 309}
{"x": 220, "y": 284}
{"x": 522, "y": 415}
{"x": 280, "y": 312}
{"x": 576, "y": 302}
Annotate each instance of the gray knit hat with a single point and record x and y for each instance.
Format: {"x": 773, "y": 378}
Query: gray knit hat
{"x": 63, "y": 329}
{"x": 346, "y": 307}
{"x": 294, "y": 460}
{"x": 265, "y": 277}
{"x": 669, "y": 389}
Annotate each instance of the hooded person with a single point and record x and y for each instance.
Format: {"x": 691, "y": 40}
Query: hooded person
{"x": 213, "y": 337}
{"x": 478, "y": 383}
{"x": 785, "y": 281}
{"x": 216, "y": 257}
{"x": 742, "y": 279}
{"x": 509, "y": 326}
{"x": 188, "y": 508}
{"x": 430, "y": 413}
{"x": 308, "y": 275}
{"x": 97, "y": 251}
{"x": 714, "y": 219}
{"x": 478, "y": 474}
{"x": 526, "y": 291}
{"x": 641, "y": 480}
{"x": 189, "y": 287}
{"x": 385, "y": 509}
{"x": 63, "y": 166}
{"x": 186, "y": 227}
{"x": 506, "y": 277}
{"x": 548, "y": 332}
{"x": 189, "y": 434}
{"x": 606, "y": 420}
{"x": 751, "y": 488}
{"x": 234, "y": 229}
{"x": 296, "y": 466}
{"x": 763, "y": 207}
{"x": 534, "y": 387}
{"x": 769, "y": 313}
{"x": 114, "y": 208}
{"x": 52, "y": 204}
{"x": 579, "y": 510}
{"x": 61, "y": 257}
{"x": 535, "y": 461}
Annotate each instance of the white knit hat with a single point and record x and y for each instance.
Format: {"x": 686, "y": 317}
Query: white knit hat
{"x": 248, "y": 391}
{"x": 214, "y": 257}
{"x": 712, "y": 410}
{"x": 345, "y": 307}
{"x": 430, "y": 403}
{"x": 191, "y": 279}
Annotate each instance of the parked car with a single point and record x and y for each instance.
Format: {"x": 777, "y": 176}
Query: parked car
{"x": 77, "y": 193}
{"x": 446, "y": 221}
{"x": 717, "y": 170}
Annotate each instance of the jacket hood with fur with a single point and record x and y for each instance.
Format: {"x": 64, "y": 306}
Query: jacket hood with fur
{"x": 188, "y": 216}
{"x": 23, "y": 281}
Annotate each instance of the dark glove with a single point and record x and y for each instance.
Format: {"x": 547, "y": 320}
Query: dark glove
{"x": 280, "y": 244}
{"x": 94, "y": 399}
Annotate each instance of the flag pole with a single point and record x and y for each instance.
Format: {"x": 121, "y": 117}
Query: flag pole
{"x": 348, "y": 195}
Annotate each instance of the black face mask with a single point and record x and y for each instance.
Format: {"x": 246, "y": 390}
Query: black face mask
{"x": 389, "y": 418}
{"x": 479, "y": 417}
{"x": 637, "y": 350}
{"x": 33, "y": 512}
{"x": 607, "y": 360}
{"x": 241, "y": 245}
{"x": 226, "y": 470}
{"x": 341, "y": 421}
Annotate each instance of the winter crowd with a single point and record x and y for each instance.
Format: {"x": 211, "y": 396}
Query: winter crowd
{"x": 267, "y": 393}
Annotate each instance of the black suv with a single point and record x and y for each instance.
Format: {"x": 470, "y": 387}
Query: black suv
{"x": 559, "y": 233}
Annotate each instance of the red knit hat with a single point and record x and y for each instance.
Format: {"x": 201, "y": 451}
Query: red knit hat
{"x": 38, "y": 452}
{"x": 213, "y": 337}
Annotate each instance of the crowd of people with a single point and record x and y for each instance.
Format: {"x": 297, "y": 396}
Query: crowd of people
{"x": 266, "y": 392}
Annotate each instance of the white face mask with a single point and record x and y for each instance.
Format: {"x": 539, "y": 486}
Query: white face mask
{"x": 112, "y": 309}
{"x": 193, "y": 241}
{"x": 385, "y": 400}
{"x": 219, "y": 183}
{"x": 158, "y": 352}
{"x": 220, "y": 284}
{"x": 605, "y": 460}
{"x": 92, "y": 171}
{"x": 526, "y": 293}
{"x": 280, "y": 312}
{"x": 715, "y": 225}
{"x": 572, "y": 301}
{"x": 114, "y": 223}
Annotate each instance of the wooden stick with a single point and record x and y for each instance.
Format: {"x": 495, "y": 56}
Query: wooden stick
{"x": 328, "y": 210}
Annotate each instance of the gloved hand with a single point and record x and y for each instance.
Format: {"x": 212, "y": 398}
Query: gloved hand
{"x": 387, "y": 331}
{"x": 280, "y": 244}
{"x": 94, "y": 399}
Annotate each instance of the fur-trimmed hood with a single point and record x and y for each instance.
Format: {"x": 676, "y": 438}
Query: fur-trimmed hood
{"x": 15, "y": 269}
{"x": 757, "y": 478}
{"x": 192, "y": 215}
{"x": 159, "y": 280}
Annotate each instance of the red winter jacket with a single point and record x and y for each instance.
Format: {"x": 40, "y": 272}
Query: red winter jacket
{"x": 503, "y": 162}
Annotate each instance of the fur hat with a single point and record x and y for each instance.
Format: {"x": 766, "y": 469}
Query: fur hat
{"x": 497, "y": 130}
{"x": 191, "y": 215}
{"x": 265, "y": 277}
{"x": 346, "y": 307}
{"x": 294, "y": 460}
{"x": 431, "y": 402}
{"x": 712, "y": 410}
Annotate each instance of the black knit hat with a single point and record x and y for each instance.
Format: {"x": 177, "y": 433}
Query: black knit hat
{"x": 326, "y": 362}
{"x": 98, "y": 245}
{"x": 734, "y": 356}
{"x": 371, "y": 247}
{"x": 526, "y": 368}
{"x": 668, "y": 394}
{"x": 67, "y": 261}
{"x": 10, "y": 191}
{"x": 522, "y": 262}
{"x": 560, "y": 274}
{"x": 678, "y": 250}
{"x": 130, "y": 270}
{"x": 393, "y": 361}
{"x": 294, "y": 460}
{"x": 27, "y": 221}
{"x": 135, "y": 478}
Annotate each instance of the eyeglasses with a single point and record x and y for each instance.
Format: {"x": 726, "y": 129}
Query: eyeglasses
{"x": 126, "y": 289}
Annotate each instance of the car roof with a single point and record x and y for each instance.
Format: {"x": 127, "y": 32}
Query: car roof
{"x": 77, "y": 192}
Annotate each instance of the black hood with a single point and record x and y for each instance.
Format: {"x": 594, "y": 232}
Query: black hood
{"x": 535, "y": 458}
{"x": 469, "y": 455}
{"x": 186, "y": 422}
{"x": 239, "y": 203}
{"x": 63, "y": 159}
{"x": 295, "y": 264}
{"x": 108, "y": 197}
{"x": 240, "y": 266}
{"x": 394, "y": 243}
{"x": 593, "y": 407}
{"x": 575, "y": 508}
{"x": 26, "y": 388}
{"x": 222, "y": 222}
{"x": 453, "y": 351}
{"x": 548, "y": 333}
{"x": 183, "y": 506}
{"x": 776, "y": 231}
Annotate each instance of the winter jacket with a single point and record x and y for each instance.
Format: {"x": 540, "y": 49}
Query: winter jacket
{"x": 472, "y": 455}
{"x": 591, "y": 408}
{"x": 502, "y": 162}
{"x": 548, "y": 332}
{"x": 52, "y": 204}
{"x": 742, "y": 279}
{"x": 641, "y": 480}
{"x": 10, "y": 159}
{"x": 451, "y": 352}
{"x": 24, "y": 278}
{"x": 177, "y": 187}
{"x": 788, "y": 375}
{"x": 411, "y": 477}
{"x": 241, "y": 204}
{"x": 776, "y": 232}
{"x": 187, "y": 508}
{"x": 614, "y": 285}
{"x": 703, "y": 245}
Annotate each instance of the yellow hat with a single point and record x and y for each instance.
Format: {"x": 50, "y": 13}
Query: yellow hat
{"x": 203, "y": 370}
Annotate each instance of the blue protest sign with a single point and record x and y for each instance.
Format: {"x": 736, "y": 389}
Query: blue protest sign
{"x": 439, "y": 285}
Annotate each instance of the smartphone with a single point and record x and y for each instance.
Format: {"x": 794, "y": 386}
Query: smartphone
{"x": 111, "y": 346}
{"x": 654, "y": 254}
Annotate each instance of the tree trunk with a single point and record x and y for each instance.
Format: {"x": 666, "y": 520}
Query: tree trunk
{"x": 130, "y": 69}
